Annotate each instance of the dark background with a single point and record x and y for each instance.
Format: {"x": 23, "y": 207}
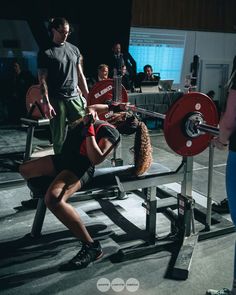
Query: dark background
{"x": 98, "y": 24}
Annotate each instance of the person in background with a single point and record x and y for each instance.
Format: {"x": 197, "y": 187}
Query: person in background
{"x": 62, "y": 82}
{"x": 102, "y": 74}
{"x": 126, "y": 80}
{"x": 211, "y": 94}
{"x": 117, "y": 60}
{"x": 146, "y": 75}
{"x": 227, "y": 141}
{"x": 19, "y": 83}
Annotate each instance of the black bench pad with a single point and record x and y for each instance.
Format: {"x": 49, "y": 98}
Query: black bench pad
{"x": 103, "y": 178}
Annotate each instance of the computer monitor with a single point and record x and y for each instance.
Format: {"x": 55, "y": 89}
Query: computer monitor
{"x": 149, "y": 86}
{"x": 166, "y": 85}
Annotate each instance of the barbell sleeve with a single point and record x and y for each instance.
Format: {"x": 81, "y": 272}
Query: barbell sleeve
{"x": 209, "y": 129}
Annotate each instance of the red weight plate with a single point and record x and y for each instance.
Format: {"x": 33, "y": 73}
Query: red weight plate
{"x": 34, "y": 95}
{"x": 175, "y": 136}
{"x": 102, "y": 91}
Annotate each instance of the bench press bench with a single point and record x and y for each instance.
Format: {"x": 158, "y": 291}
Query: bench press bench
{"x": 112, "y": 178}
{"x": 145, "y": 186}
{"x": 31, "y": 124}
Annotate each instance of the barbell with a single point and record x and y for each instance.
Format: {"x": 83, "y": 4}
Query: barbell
{"x": 189, "y": 124}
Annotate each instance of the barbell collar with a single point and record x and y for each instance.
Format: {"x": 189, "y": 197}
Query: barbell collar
{"x": 192, "y": 120}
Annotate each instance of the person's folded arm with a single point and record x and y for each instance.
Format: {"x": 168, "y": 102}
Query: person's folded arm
{"x": 227, "y": 123}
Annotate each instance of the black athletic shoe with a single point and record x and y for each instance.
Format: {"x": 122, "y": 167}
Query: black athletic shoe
{"x": 87, "y": 254}
{"x": 222, "y": 207}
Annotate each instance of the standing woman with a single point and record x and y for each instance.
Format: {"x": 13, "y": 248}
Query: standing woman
{"x": 227, "y": 140}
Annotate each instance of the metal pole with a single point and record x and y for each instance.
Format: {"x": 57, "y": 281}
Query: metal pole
{"x": 209, "y": 188}
{"x": 29, "y": 139}
{"x": 186, "y": 189}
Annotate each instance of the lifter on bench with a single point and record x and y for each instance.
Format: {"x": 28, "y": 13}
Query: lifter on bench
{"x": 87, "y": 145}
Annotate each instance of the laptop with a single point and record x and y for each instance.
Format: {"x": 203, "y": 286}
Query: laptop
{"x": 166, "y": 85}
{"x": 149, "y": 86}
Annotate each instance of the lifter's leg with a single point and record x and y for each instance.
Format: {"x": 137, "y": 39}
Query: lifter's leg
{"x": 37, "y": 167}
{"x": 65, "y": 184}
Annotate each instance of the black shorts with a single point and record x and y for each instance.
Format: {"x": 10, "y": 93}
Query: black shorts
{"x": 80, "y": 166}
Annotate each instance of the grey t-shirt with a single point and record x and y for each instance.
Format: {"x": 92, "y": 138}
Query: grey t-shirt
{"x": 61, "y": 63}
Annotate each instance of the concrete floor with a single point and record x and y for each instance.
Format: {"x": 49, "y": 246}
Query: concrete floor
{"x": 30, "y": 266}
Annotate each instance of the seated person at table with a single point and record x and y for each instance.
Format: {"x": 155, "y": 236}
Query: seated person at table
{"x": 102, "y": 74}
{"x": 146, "y": 75}
{"x": 87, "y": 145}
{"x": 126, "y": 80}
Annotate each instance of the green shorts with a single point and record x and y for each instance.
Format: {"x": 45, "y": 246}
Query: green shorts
{"x": 75, "y": 109}
{"x": 67, "y": 111}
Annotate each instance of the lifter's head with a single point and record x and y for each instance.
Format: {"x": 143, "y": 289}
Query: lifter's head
{"x": 127, "y": 123}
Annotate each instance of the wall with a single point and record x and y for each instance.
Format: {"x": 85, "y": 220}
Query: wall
{"x": 211, "y": 46}
{"x": 211, "y": 27}
{"x": 25, "y": 45}
{"x": 201, "y": 15}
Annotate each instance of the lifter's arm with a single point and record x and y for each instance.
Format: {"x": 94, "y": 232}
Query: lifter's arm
{"x": 97, "y": 152}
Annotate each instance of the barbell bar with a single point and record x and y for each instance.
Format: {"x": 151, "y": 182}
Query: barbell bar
{"x": 189, "y": 123}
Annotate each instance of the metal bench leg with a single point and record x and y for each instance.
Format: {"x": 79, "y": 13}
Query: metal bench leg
{"x": 29, "y": 142}
{"x": 38, "y": 218}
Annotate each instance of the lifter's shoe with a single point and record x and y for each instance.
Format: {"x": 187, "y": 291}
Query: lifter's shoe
{"x": 87, "y": 254}
{"x": 222, "y": 207}
{"x": 223, "y": 291}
